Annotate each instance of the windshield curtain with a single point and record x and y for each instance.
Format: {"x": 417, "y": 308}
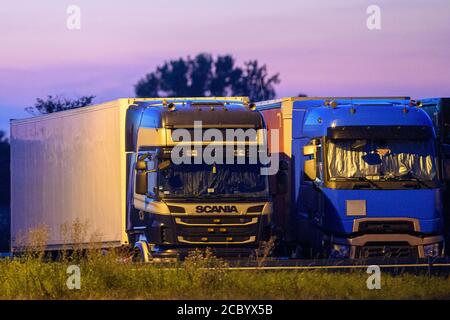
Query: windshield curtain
{"x": 239, "y": 180}
{"x": 384, "y": 159}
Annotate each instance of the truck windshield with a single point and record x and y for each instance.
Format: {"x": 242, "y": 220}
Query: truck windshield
{"x": 381, "y": 159}
{"x": 201, "y": 180}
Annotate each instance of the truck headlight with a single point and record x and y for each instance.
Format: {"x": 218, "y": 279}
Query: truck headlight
{"x": 432, "y": 250}
{"x": 340, "y": 251}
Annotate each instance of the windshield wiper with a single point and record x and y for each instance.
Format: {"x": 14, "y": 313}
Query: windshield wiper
{"x": 225, "y": 196}
{"x": 181, "y": 198}
{"x": 370, "y": 182}
{"x": 365, "y": 179}
{"x": 412, "y": 177}
{"x": 421, "y": 182}
{"x": 236, "y": 196}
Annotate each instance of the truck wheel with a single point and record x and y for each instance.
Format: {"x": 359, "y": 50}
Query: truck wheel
{"x": 300, "y": 252}
{"x": 141, "y": 252}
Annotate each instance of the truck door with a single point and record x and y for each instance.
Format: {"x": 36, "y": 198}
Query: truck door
{"x": 311, "y": 200}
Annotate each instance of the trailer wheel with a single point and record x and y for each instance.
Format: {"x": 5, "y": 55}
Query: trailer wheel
{"x": 141, "y": 252}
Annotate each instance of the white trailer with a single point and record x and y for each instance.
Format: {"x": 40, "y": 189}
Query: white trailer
{"x": 70, "y": 166}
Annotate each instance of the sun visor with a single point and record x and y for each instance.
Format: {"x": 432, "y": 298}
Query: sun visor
{"x": 380, "y": 132}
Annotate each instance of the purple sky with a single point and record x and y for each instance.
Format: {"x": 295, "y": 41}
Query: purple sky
{"x": 320, "y": 47}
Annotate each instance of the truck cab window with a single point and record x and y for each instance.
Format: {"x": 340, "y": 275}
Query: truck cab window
{"x": 216, "y": 180}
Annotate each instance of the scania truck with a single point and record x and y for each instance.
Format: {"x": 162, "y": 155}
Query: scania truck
{"x": 361, "y": 178}
{"x": 111, "y": 167}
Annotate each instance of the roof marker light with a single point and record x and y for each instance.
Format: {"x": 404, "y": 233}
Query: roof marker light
{"x": 191, "y": 153}
{"x": 171, "y": 106}
{"x": 333, "y": 104}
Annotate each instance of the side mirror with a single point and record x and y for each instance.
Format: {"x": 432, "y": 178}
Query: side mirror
{"x": 310, "y": 150}
{"x": 141, "y": 165}
{"x": 141, "y": 177}
{"x": 141, "y": 183}
{"x": 311, "y": 169}
{"x": 310, "y": 166}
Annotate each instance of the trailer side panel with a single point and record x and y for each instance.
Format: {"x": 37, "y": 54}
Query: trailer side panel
{"x": 69, "y": 166}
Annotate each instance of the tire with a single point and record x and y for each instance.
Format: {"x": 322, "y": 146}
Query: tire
{"x": 141, "y": 252}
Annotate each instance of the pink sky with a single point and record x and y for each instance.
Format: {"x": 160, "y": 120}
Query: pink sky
{"x": 319, "y": 47}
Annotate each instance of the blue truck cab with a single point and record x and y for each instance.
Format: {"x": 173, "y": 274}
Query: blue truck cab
{"x": 363, "y": 177}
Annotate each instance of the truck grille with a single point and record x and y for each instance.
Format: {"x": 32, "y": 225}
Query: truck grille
{"x": 214, "y": 220}
{"x": 386, "y": 250}
{"x": 217, "y": 229}
{"x": 386, "y": 227}
{"x": 216, "y": 240}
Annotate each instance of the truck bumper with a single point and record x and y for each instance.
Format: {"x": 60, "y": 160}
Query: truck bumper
{"x": 390, "y": 245}
{"x": 226, "y": 235}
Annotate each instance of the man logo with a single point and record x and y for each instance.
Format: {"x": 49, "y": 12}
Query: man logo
{"x": 216, "y": 209}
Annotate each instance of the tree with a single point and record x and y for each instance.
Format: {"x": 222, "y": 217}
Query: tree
{"x": 4, "y": 192}
{"x": 4, "y": 169}
{"x": 55, "y": 103}
{"x": 206, "y": 76}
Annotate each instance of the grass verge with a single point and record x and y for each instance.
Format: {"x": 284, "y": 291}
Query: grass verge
{"x": 200, "y": 276}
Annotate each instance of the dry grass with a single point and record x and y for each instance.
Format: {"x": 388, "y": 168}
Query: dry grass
{"x": 201, "y": 276}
